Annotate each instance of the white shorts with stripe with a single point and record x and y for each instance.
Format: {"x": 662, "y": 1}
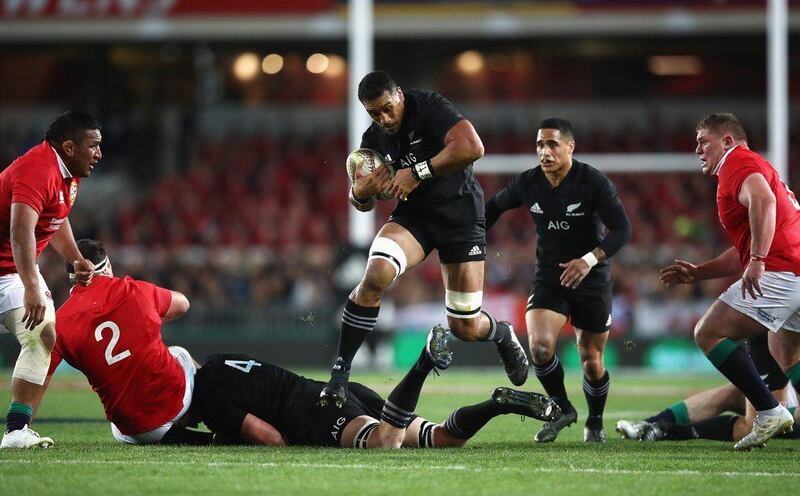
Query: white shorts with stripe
{"x": 184, "y": 359}
{"x": 12, "y": 293}
{"x": 778, "y": 308}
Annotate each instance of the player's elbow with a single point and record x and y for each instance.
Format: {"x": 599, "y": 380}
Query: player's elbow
{"x": 474, "y": 148}
{"x": 179, "y": 306}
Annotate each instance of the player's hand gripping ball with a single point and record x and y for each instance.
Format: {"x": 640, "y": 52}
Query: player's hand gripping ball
{"x": 366, "y": 161}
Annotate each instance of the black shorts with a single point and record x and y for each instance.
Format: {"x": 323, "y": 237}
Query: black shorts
{"x": 326, "y": 424}
{"x": 455, "y": 243}
{"x": 589, "y": 309}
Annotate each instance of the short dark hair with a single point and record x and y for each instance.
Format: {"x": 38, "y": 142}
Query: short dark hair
{"x": 562, "y": 125}
{"x": 69, "y": 125}
{"x": 92, "y": 250}
{"x": 723, "y": 122}
{"x": 374, "y": 85}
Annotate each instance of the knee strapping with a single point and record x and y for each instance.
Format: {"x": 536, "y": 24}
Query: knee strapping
{"x": 461, "y": 305}
{"x": 34, "y": 356}
{"x": 388, "y": 249}
{"x": 426, "y": 436}
{"x": 362, "y": 436}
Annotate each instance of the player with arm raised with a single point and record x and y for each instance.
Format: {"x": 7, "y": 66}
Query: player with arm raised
{"x": 762, "y": 219}
{"x": 111, "y": 331}
{"x": 245, "y": 400}
{"x": 432, "y": 147}
{"x": 569, "y": 202}
{"x": 37, "y": 192}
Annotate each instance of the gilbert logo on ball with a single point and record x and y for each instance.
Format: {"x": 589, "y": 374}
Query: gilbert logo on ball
{"x": 366, "y": 161}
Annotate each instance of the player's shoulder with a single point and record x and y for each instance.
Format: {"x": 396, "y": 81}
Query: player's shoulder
{"x": 744, "y": 161}
{"x": 589, "y": 174}
{"x": 421, "y": 99}
{"x": 31, "y": 162}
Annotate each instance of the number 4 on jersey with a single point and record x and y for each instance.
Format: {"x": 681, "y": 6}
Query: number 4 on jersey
{"x": 242, "y": 365}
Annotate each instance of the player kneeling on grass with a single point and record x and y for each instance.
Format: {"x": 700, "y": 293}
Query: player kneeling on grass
{"x": 111, "y": 331}
{"x": 249, "y": 401}
{"x": 703, "y": 415}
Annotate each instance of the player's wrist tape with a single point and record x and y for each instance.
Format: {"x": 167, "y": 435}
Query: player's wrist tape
{"x": 355, "y": 198}
{"x": 590, "y": 259}
{"x": 758, "y": 258}
{"x": 422, "y": 170}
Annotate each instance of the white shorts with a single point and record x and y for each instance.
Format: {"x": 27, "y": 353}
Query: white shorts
{"x": 185, "y": 360}
{"x": 12, "y": 293}
{"x": 778, "y": 308}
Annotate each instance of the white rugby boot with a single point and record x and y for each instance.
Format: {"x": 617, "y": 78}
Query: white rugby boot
{"x": 25, "y": 438}
{"x": 630, "y": 429}
{"x": 764, "y": 428}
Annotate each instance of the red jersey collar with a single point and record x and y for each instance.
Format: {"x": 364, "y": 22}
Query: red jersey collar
{"x": 61, "y": 165}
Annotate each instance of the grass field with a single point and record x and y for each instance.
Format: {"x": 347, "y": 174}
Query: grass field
{"x": 501, "y": 459}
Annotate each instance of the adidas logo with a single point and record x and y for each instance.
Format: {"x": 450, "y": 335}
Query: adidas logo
{"x": 536, "y": 208}
{"x": 476, "y": 250}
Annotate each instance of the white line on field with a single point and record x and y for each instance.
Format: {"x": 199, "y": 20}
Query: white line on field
{"x": 361, "y": 466}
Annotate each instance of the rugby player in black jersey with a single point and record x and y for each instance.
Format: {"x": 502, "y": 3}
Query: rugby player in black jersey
{"x": 432, "y": 147}
{"x": 245, "y": 400}
{"x": 570, "y": 203}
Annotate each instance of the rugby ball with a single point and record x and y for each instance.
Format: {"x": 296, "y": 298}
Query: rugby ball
{"x": 366, "y": 161}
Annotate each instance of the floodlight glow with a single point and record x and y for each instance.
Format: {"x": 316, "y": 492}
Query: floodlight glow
{"x": 336, "y": 66}
{"x": 675, "y": 65}
{"x": 470, "y": 62}
{"x": 245, "y": 67}
{"x": 317, "y": 63}
{"x": 272, "y": 64}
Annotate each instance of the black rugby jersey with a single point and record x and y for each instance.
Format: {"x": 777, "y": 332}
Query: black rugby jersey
{"x": 569, "y": 218}
{"x": 455, "y": 198}
{"x": 229, "y": 386}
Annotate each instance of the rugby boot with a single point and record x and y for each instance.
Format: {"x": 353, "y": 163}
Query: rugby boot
{"x": 335, "y": 392}
{"x": 653, "y": 431}
{"x": 25, "y": 438}
{"x": 766, "y": 427}
{"x": 630, "y": 429}
{"x": 438, "y": 347}
{"x": 594, "y": 435}
{"x": 549, "y": 431}
{"x": 526, "y": 403}
{"x": 515, "y": 361}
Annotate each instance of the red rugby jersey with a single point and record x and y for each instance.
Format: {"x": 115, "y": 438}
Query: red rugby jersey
{"x": 35, "y": 179}
{"x": 784, "y": 253}
{"x": 111, "y": 331}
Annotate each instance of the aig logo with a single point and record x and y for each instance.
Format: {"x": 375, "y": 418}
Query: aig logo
{"x": 558, "y": 225}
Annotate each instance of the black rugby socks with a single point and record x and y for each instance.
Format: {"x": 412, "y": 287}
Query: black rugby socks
{"x": 596, "y": 393}
{"x": 551, "y": 375}
{"x": 399, "y": 407}
{"x": 357, "y": 322}
{"x": 498, "y": 332}
{"x": 719, "y": 428}
{"x": 735, "y": 364}
{"x": 468, "y": 420}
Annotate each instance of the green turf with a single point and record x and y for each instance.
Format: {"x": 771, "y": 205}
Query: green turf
{"x": 502, "y": 459}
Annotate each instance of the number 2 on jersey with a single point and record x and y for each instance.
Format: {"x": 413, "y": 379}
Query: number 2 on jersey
{"x": 111, "y": 358}
{"x": 242, "y": 365}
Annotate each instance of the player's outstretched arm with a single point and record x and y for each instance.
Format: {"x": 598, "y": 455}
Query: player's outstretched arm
{"x": 64, "y": 243}
{"x": 683, "y": 272}
{"x": 257, "y": 431}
